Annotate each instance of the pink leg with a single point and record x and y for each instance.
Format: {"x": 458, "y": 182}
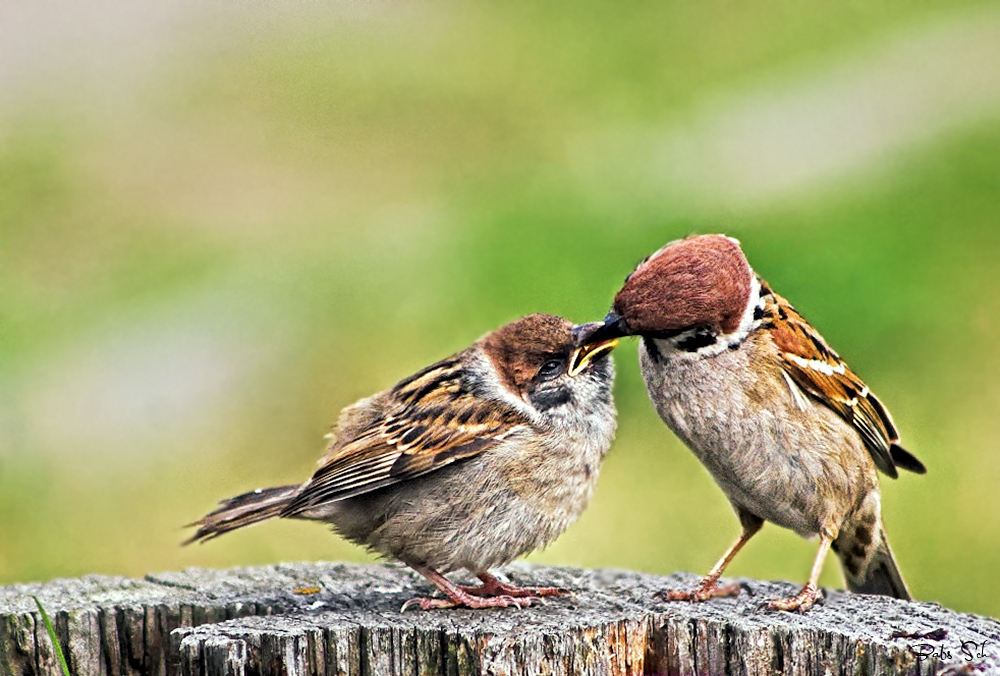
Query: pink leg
{"x": 493, "y": 587}
{"x": 806, "y": 598}
{"x": 458, "y": 597}
{"x": 709, "y": 586}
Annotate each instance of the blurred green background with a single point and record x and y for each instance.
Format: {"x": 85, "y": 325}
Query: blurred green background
{"x": 221, "y": 224}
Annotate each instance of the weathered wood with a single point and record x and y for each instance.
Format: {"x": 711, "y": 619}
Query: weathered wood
{"x": 253, "y": 621}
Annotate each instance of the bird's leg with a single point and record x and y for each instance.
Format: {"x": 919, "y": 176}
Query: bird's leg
{"x": 458, "y": 597}
{"x": 493, "y": 587}
{"x": 709, "y": 586}
{"x": 805, "y": 599}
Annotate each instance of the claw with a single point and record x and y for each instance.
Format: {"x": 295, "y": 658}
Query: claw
{"x": 494, "y": 587}
{"x": 708, "y": 589}
{"x": 491, "y": 594}
{"x": 473, "y": 602}
{"x": 801, "y": 602}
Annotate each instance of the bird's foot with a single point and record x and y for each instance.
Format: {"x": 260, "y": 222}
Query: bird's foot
{"x": 708, "y": 589}
{"x": 491, "y": 594}
{"x": 801, "y": 602}
{"x": 465, "y": 600}
{"x": 493, "y": 587}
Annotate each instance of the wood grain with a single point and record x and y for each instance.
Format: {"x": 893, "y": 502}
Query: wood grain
{"x": 252, "y": 621}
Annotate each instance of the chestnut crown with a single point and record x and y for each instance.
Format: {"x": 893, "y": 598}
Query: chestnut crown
{"x": 522, "y": 348}
{"x": 703, "y": 280}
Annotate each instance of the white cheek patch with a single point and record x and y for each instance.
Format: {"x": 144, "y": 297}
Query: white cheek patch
{"x": 754, "y": 302}
{"x": 496, "y": 391}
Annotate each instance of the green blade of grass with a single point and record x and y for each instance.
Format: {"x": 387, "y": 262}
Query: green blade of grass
{"x": 52, "y": 635}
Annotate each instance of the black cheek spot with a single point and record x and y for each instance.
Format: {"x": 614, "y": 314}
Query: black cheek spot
{"x": 758, "y": 313}
{"x": 697, "y": 340}
{"x": 549, "y": 398}
{"x": 654, "y": 352}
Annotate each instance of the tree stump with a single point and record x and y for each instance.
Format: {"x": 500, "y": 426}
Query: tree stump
{"x": 340, "y": 619}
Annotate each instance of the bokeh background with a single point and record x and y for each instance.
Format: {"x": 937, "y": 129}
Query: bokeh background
{"x": 222, "y": 222}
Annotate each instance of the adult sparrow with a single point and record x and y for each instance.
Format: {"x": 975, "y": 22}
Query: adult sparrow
{"x": 470, "y": 463}
{"x": 789, "y": 432}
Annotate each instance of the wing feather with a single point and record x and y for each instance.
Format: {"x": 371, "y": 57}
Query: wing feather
{"x": 427, "y": 421}
{"x": 820, "y": 372}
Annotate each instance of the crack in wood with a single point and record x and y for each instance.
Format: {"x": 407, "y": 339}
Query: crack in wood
{"x": 251, "y": 621}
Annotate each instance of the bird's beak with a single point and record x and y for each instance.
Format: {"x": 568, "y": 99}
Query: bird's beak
{"x": 584, "y": 354}
{"x": 594, "y": 340}
{"x": 613, "y": 326}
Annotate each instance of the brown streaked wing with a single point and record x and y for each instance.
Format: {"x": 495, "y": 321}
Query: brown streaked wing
{"x": 820, "y": 371}
{"x": 431, "y": 420}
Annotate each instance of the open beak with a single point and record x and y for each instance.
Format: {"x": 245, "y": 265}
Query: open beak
{"x": 587, "y": 353}
{"x": 589, "y": 348}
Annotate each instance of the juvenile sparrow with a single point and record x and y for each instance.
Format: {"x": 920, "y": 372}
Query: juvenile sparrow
{"x": 787, "y": 430}
{"x": 475, "y": 460}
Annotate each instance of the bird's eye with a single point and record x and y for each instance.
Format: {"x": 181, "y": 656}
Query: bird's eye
{"x": 552, "y": 368}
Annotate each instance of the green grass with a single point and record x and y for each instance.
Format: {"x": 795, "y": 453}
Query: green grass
{"x": 51, "y": 631}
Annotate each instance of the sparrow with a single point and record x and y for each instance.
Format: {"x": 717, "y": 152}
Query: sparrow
{"x": 468, "y": 464}
{"x": 787, "y": 430}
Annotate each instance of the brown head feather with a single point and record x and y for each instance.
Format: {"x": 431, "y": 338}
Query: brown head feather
{"x": 519, "y": 349}
{"x": 699, "y": 281}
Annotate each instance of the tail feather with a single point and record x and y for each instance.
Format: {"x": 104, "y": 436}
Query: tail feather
{"x": 878, "y": 575}
{"x": 903, "y": 458}
{"x": 243, "y": 510}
